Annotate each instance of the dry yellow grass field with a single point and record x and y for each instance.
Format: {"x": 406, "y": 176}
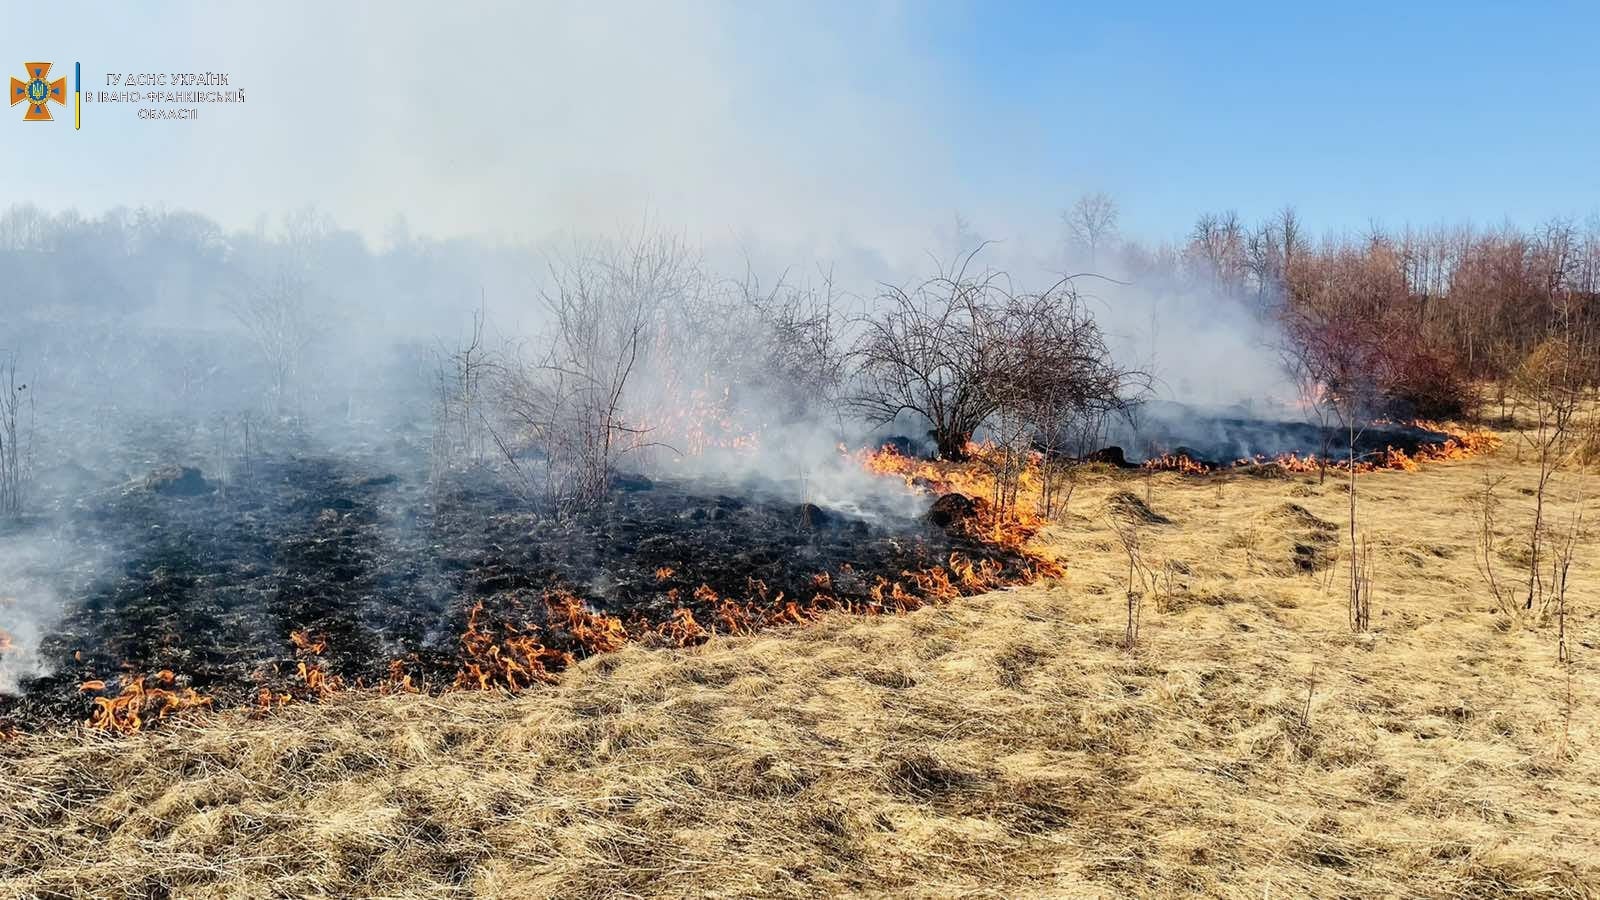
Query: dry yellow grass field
{"x": 1002, "y": 745}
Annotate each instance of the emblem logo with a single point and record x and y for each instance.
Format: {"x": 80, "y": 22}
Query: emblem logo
{"x": 37, "y": 92}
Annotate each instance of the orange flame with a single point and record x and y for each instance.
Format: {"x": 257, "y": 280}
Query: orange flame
{"x": 1011, "y": 524}
{"x": 135, "y": 703}
{"x": 594, "y": 632}
{"x": 513, "y": 660}
{"x": 511, "y": 655}
{"x": 698, "y": 419}
{"x": 681, "y": 629}
{"x": 399, "y": 680}
{"x": 304, "y": 643}
{"x": 1460, "y": 445}
{"x": 1176, "y": 462}
{"x": 317, "y": 681}
{"x": 266, "y": 700}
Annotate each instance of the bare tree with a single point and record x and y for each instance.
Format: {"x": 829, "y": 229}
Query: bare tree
{"x": 275, "y": 314}
{"x": 936, "y": 350}
{"x": 964, "y": 352}
{"x": 1092, "y": 223}
{"x": 1340, "y": 348}
{"x": 460, "y": 376}
{"x": 802, "y": 350}
{"x": 1305, "y": 369}
{"x": 960, "y": 238}
{"x": 1217, "y": 250}
{"x": 1551, "y": 382}
{"x": 1272, "y": 250}
{"x": 570, "y": 401}
{"x": 16, "y": 434}
{"x": 1486, "y": 550}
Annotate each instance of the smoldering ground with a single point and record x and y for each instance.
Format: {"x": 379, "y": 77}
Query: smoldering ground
{"x": 273, "y": 466}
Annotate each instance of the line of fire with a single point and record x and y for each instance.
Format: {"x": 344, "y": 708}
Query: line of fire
{"x": 665, "y": 459}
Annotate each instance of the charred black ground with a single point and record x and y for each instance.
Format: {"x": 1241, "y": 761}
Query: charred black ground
{"x": 357, "y": 548}
{"x": 207, "y": 576}
{"x": 1221, "y": 440}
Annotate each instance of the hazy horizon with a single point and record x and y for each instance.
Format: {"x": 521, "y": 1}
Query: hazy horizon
{"x": 828, "y": 131}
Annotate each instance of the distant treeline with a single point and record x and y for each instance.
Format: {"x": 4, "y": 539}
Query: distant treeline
{"x": 1419, "y": 313}
{"x": 1412, "y": 316}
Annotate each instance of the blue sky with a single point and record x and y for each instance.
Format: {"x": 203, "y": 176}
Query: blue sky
{"x": 1419, "y": 112}
{"x": 828, "y": 125}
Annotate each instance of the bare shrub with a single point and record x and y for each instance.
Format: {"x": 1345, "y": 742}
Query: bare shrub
{"x": 16, "y": 438}
{"x": 800, "y": 343}
{"x": 1551, "y": 384}
{"x": 461, "y": 377}
{"x": 1563, "y": 551}
{"x": 1360, "y": 586}
{"x": 1486, "y": 551}
{"x": 1062, "y": 374}
{"x": 937, "y": 350}
{"x": 275, "y": 314}
{"x": 1426, "y": 380}
{"x": 568, "y": 399}
{"x": 1065, "y": 435}
{"x": 1143, "y": 579}
{"x": 964, "y": 352}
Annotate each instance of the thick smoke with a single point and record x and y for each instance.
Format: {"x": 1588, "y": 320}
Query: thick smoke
{"x": 33, "y": 571}
{"x": 521, "y": 122}
{"x": 460, "y": 161}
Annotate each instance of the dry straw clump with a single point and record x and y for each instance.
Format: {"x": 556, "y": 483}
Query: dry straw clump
{"x": 1007, "y": 744}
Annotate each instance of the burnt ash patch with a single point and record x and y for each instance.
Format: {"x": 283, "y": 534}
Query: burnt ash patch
{"x": 377, "y": 566}
{"x": 1223, "y": 442}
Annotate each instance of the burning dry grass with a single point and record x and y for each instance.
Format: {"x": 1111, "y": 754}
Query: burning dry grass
{"x": 124, "y": 707}
{"x": 1000, "y": 744}
{"x": 1462, "y": 443}
{"x": 1010, "y": 520}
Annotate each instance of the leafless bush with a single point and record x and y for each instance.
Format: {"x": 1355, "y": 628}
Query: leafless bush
{"x": 274, "y": 312}
{"x": 937, "y": 350}
{"x": 460, "y": 379}
{"x": 1486, "y": 551}
{"x": 1006, "y": 458}
{"x": 1065, "y": 436}
{"x": 569, "y": 399}
{"x": 1061, "y": 383}
{"x": 1551, "y": 383}
{"x": 1058, "y": 481}
{"x": 801, "y": 342}
{"x": 1563, "y": 551}
{"x": 1061, "y": 375}
{"x": 1143, "y": 579}
{"x": 16, "y": 438}
{"x": 1360, "y": 586}
{"x": 965, "y": 352}
{"x": 1311, "y": 689}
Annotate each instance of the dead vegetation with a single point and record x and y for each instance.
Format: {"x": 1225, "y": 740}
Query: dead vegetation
{"x": 1247, "y": 744}
{"x": 16, "y": 433}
